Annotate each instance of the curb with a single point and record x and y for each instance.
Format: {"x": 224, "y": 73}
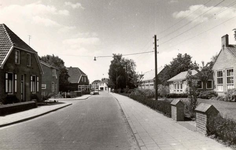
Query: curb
{"x": 32, "y": 117}
{"x": 126, "y": 119}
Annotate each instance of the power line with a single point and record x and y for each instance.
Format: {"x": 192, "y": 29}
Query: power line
{"x": 192, "y": 20}
{"x": 182, "y": 19}
{"x": 190, "y": 28}
{"x": 128, "y": 54}
{"x": 206, "y": 30}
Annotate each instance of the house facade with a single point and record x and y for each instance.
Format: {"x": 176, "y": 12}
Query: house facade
{"x": 20, "y": 70}
{"x": 78, "y": 80}
{"x": 95, "y": 84}
{"x": 50, "y": 80}
{"x": 178, "y": 84}
{"x": 225, "y": 66}
{"x": 148, "y": 79}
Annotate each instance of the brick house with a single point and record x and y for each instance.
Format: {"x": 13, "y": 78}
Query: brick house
{"x": 95, "y": 84}
{"x": 78, "y": 80}
{"x": 50, "y": 80}
{"x": 20, "y": 69}
{"x": 178, "y": 84}
{"x": 224, "y": 67}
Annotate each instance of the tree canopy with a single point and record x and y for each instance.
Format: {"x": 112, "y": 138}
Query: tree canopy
{"x": 179, "y": 64}
{"x": 58, "y": 63}
{"x": 122, "y": 73}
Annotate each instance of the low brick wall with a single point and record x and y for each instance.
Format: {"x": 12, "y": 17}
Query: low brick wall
{"x": 201, "y": 122}
{"x": 17, "y": 107}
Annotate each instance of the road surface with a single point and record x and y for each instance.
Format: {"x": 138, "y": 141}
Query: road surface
{"x": 97, "y": 123}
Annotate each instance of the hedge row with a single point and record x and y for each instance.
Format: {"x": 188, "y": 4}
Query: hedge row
{"x": 223, "y": 129}
{"x": 162, "y": 106}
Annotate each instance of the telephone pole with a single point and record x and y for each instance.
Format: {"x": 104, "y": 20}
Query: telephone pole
{"x": 155, "y": 53}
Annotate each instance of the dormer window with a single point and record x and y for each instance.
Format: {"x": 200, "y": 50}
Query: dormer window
{"x": 28, "y": 59}
{"x": 17, "y": 57}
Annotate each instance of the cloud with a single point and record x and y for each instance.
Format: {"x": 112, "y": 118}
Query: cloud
{"x": 35, "y": 13}
{"x": 173, "y": 1}
{"x": 74, "y": 6}
{"x": 201, "y": 13}
{"x": 45, "y": 21}
{"x": 66, "y": 29}
{"x": 80, "y": 42}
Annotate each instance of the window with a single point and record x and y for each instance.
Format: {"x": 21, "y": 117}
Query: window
{"x": 220, "y": 81}
{"x": 53, "y": 87}
{"x": 9, "y": 82}
{"x": 199, "y": 84}
{"x": 230, "y": 79}
{"x": 44, "y": 86}
{"x": 37, "y": 84}
{"x": 28, "y": 59}
{"x": 209, "y": 84}
{"x": 178, "y": 87}
{"x": 54, "y": 73}
{"x": 84, "y": 79}
{"x": 15, "y": 82}
{"x": 17, "y": 57}
{"x": 33, "y": 83}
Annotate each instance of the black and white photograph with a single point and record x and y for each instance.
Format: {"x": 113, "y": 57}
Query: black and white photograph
{"x": 117, "y": 75}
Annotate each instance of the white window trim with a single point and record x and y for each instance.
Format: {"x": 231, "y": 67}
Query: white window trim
{"x": 44, "y": 86}
{"x": 229, "y": 76}
{"x": 15, "y": 83}
{"x": 211, "y": 84}
{"x": 17, "y": 51}
{"x": 7, "y": 82}
{"x": 219, "y": 77}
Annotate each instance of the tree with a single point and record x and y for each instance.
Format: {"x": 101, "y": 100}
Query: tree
{"x": 179, "y": 64}
{"x": 122, "y": 73}
{"x": 58, "y": 63}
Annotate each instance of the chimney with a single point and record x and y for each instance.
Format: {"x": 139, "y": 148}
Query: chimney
{"x": 225, "y": 40}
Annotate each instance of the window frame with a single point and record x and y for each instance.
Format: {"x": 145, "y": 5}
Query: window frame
{"x": 9, "y": 89}
{"x": 33, "y": 83}
{"x": 17, "y": 57}
{"x": 230, "y": 76}
{"x": 211, "y": 84}
{"x": 29, "y": 60}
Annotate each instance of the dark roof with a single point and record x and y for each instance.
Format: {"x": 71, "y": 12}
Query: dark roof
{"x": 232, "y": 49}
{"x": 96, "y": 81}
{"x": 8, "y": 39}
{"x": 47, "y": 65}
{"x": 75, "y": 74}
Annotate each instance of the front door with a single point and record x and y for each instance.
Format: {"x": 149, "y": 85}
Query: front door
{"x": 22, "y": 87}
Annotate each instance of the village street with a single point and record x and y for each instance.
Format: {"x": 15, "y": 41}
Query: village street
{"x": 94, "y": 123}
{"x": 107, "y": 121}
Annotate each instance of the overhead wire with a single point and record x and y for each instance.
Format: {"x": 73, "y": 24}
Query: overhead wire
{"x": 192, "y": 20}
{"x": 182, "y": 19}
{"x": 190, "y": 28}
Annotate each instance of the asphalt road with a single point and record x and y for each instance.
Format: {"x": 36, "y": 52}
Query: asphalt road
{"x": 97, "y": 123}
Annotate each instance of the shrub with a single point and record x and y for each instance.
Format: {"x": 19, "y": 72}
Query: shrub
{"x": 188, "y": 109}
{"x": 10, "y": 99}
{"x": 222, "y": 128}
{"x": 207, "y": 94}
{"x": 230, "y": 96}
{"x": 34, "y": 97}
{"x": 142, "y": 97}
{"x": 163, "y": 91}
{"x": 221, "y": 98}
{"x": 175, "y": 95}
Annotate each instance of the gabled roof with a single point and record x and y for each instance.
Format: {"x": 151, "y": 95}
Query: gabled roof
{"x": 8, "y": 41}
{"x": 48, "y": 65}
{"x": 75, "y": 74}
{"x": 150, "y": 75}
{"x": 181, "y": 76}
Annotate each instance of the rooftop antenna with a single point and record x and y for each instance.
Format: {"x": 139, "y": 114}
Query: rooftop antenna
{"x": 29, "y": 39}
{"x": 234, "y": 33}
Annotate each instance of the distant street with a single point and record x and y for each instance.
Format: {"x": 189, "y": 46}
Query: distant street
{"x": 97, "y": 123}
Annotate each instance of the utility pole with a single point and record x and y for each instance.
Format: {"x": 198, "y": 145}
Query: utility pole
{"x": 156, "y": 84}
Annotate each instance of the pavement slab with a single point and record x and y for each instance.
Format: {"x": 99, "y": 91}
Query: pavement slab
{"x": 153, "y": 130}
{"x": 30, "y": 114}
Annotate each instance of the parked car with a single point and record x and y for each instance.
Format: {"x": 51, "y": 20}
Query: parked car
{"x": 94, "y": 92}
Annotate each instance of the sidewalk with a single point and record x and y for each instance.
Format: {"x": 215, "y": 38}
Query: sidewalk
{"x": 154, "y": 131}
{"x": 30, "y": 114}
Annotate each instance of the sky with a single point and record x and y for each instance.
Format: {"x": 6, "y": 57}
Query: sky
{"x": 79, "y": 30}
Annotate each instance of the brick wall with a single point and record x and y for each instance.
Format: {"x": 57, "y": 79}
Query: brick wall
{"x": 201, "y": 121}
